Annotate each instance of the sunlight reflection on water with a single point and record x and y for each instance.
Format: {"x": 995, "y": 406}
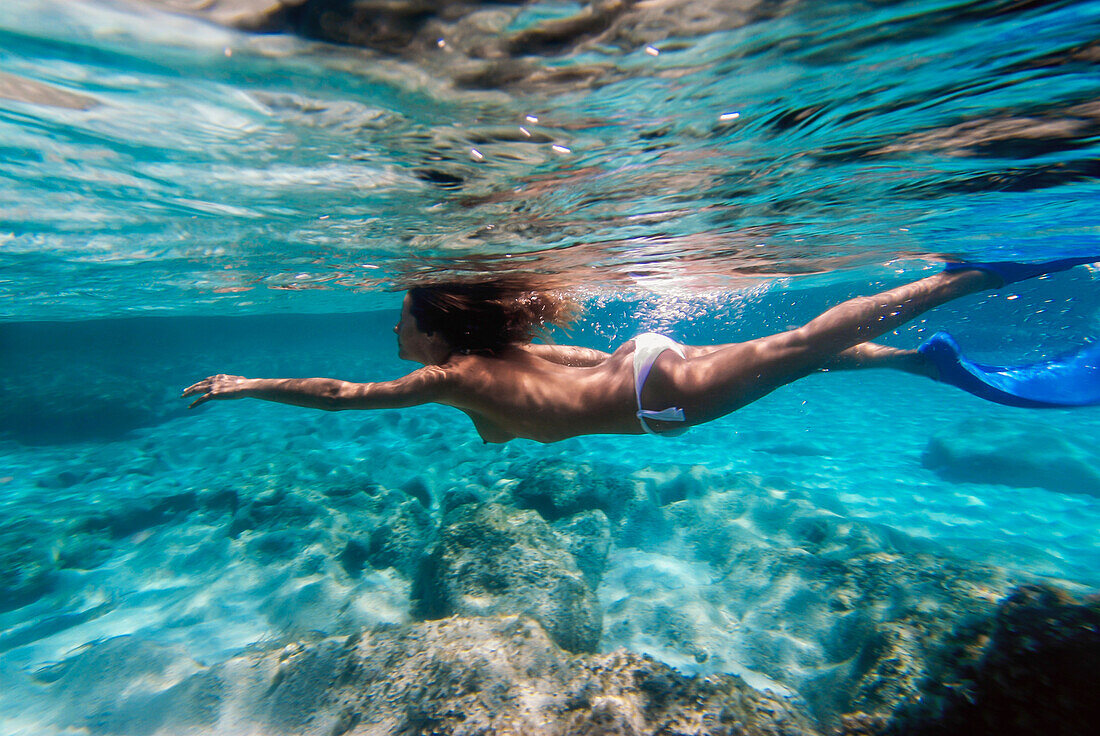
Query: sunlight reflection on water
{"x": 802, "y": 143}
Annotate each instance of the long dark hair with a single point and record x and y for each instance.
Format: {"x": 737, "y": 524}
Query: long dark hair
{"x": 488, "y": 316}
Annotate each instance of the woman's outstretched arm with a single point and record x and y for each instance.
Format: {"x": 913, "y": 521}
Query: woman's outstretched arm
{"x": 419, "y": 387}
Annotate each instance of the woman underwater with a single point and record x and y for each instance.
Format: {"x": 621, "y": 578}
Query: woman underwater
{"x": 474, "y": 342}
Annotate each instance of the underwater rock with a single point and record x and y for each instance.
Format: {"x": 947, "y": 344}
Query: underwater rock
{"x": 27, "y": 568}
{"x": 559, "y": 488}
{"x": 457, "y": 677}
{"x": 898, "y": 614}
{"x": 672, "y": 483}
{"x": 219, "y": 501}
{"x": 45, "y": 625}
{"x": 1031, "y": 670}
{"x": 46, "y": 398}
{"x": 64, "y": 417}
{"x": 742, "y": 512}
{"x": 356, "y": 526}
{"x": 36, "y": 546}
{"x": 84, "y": 551}
{"x": 280, "y": 545}
{"x": 460, "y": 496}
{"x": 985, "y": 450}
{"x": 130, "y": 517}
{"x": 275, "y": 510}
{"x": 854, "y": 635}
{"x": 587, "y": 536}
{"x": 402, "y": 538}
{"x": 762, "y": 581}
{"x": 353, "y": 557}
{"x": 418, "y": 489}
{"x": 493, "y": 560}
{"x": 645, "y": 526}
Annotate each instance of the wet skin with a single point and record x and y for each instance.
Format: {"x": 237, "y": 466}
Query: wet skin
{"x": 551, "y": 392}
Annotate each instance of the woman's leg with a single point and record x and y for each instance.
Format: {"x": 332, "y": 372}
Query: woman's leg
{"x": 872, "y": 355}
{"x": 711, "y": 384}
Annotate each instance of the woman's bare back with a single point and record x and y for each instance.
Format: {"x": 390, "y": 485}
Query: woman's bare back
{"x": 519, "y": 394}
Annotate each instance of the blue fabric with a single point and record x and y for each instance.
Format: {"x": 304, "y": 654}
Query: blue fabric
{"x": 1071, "y": 380}
{"x": 1012, "y": 272}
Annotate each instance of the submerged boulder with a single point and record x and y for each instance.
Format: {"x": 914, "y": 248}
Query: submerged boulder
{"x": 985, "y": 450}
{"x": 559, "y": 488}
{"x": 1030, "y": 669}
{"x": 587, "y": 536}
{"x": 276, "y": 510}
{"x": 763, "y": 581}
{"x": 493, "y": 560}
{"x": 400, "y": 540}
{"x": 27, "y": 567}
{"x": 457, "y": 677}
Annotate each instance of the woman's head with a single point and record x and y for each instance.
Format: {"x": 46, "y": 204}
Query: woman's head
{"x": 486, "y": 317}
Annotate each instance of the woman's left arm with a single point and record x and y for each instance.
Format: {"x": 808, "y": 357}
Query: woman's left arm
{"x": 419, "y": 387}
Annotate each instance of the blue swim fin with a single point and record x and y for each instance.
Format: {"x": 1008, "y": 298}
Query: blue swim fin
{"x": 1011, "y": 272}
{"x": 1071, "y": 380}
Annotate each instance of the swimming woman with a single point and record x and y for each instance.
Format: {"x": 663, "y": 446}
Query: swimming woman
{"x": 474, "y": 342}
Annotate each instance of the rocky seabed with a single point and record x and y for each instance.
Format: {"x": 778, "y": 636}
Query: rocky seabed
{"x": 565, "y": 597}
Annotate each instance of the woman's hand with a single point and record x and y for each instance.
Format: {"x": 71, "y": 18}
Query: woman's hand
{"x": 219, "y": 387}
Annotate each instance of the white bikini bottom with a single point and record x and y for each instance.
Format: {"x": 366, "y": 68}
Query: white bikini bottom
{"x": 647, "y": 347}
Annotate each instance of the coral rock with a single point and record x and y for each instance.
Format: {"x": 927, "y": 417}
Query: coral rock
{"x": 493, "y": 560}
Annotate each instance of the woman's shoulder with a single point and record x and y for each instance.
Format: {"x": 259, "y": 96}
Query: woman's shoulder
{"x": 470, "y": 371}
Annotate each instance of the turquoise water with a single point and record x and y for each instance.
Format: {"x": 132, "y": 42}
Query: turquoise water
{"x": 178, "y": 198}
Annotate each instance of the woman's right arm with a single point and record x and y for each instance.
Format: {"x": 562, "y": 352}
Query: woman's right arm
{"x": 422, "y": 386}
